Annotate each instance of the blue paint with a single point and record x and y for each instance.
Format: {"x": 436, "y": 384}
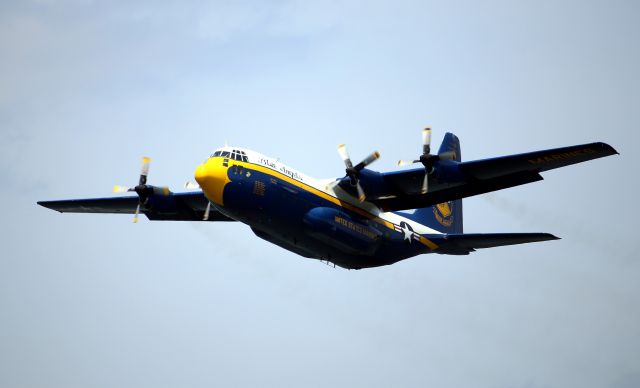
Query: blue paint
{"x": 307, "y": 224}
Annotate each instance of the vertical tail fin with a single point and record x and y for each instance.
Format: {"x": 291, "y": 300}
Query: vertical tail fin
{"x": 451, "y": 143}
{"x": 444, "y": 217}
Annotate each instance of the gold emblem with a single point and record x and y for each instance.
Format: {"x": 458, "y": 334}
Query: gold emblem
{"x": 443, "y": 213}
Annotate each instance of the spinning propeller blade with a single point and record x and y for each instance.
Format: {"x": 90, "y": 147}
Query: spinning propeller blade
{"x": 207, "y": 211}
{"x": 426, "y": 140}
{"x": 191, "y": 185}
{"x": 121, "y": 189}
{"x": 135, "y": 216}
{"x": 406, "y": 162}
{"x": 353, "y": 172}
{"x": 142, "y": 189}
{"x": 427, "y": 159}
{"x": 144, "y": 171}
{"x": 344, "y": 155}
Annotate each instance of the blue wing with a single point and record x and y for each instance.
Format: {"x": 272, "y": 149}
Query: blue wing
{"x": 400, "y": 190}
{"x": 173, "y": 207}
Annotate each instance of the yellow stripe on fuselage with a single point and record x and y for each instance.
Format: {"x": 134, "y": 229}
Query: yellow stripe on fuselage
{"x": 308, "y": 188}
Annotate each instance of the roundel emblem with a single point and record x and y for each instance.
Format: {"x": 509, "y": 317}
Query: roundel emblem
{"x": 444, "y": 213}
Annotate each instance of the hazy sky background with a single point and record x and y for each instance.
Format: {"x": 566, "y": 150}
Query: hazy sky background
{"x": 87, "y": 88}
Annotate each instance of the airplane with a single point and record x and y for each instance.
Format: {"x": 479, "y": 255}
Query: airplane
{"x": 361, "y": 220}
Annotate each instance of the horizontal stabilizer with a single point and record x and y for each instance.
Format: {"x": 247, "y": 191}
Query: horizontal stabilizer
{"x": 462, "y": 244}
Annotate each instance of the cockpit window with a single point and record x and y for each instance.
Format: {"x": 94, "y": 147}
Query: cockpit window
{"x": 242, "y": 156}
{"x": 234, "y": 154}
{"x": 237, "y": 155}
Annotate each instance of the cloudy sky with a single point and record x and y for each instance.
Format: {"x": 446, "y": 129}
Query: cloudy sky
{"x": 89, "y": 87}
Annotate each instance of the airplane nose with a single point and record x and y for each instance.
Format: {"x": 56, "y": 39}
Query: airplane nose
{"x": 212, "y": 177}
{"x": 201, "y": 174}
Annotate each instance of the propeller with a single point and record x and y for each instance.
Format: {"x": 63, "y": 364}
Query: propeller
{"x": 207, "y": 211}
{"x": 427, "y": 159}
{"x": 353, "y": 172}
{"x": 142, "y": 189}
{"x": 190, "y": 185}
{"x": 193, "y": 185}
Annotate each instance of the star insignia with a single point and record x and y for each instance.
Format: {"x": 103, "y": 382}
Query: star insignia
{"x": 407, "y": 232}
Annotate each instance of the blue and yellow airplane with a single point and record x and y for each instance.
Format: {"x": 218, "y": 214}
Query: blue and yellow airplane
{"x": 364, "y": 219}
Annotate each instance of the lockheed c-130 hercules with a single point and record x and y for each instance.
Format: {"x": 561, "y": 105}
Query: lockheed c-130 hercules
{"x": 364, "y": 219}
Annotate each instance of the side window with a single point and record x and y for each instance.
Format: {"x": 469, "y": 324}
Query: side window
{"x": 217, "y": 153}
{"x": 225, "y": 154}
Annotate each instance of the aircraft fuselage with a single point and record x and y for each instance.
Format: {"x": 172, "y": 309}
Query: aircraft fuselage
{"x": 307, "y": 216}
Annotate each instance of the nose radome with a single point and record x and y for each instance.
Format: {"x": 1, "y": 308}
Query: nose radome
{"x": 212, "y": 178}
{"x": 201, "y": 174}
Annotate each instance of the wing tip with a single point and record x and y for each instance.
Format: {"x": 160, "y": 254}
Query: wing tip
{"x": 607, "y": 147}
{"x": 48, "y": 205}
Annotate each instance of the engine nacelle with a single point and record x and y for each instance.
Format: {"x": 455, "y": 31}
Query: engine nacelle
{"x": 339, "y": 230}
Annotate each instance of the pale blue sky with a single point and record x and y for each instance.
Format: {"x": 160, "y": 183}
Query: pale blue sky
{"x": 87, "y": 88}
